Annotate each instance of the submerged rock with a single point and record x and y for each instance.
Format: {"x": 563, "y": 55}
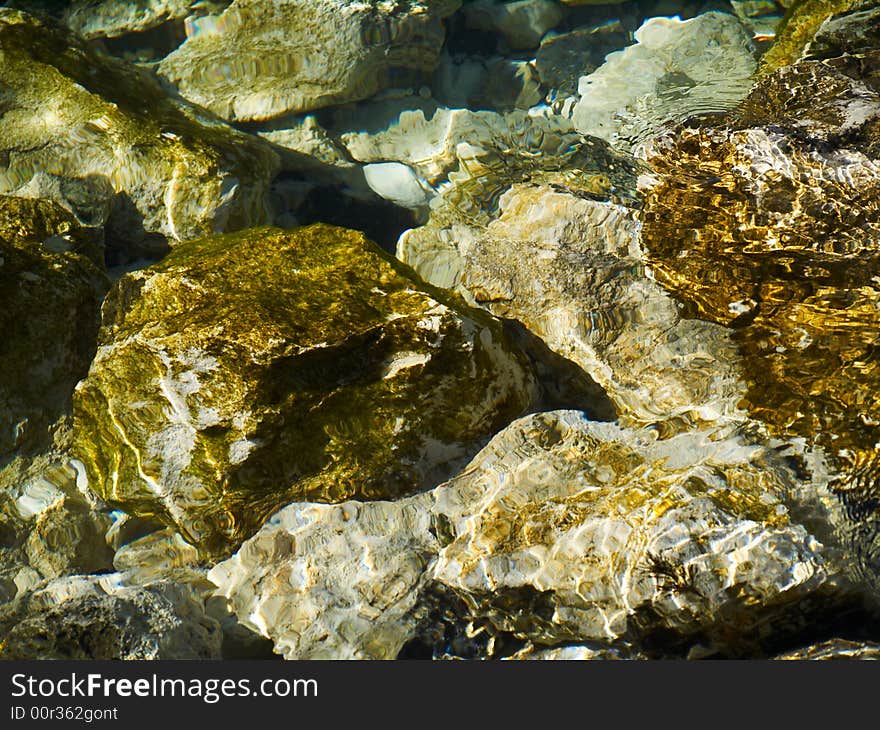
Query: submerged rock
{"x": 50, "y": 298}
{"x": 676, "y": 70}
{"x": 111, "y": 19}
{"x": 566, "y": 530}
{"x": 834, "y": 649}
{"x": 563, "y": 58}
{"x": 48, "y": 527}
{"x": 250, "y": 370}
{"x": 522, "y": 23}
{"x": 101, "y": 138}
{"x": 281, "y": 583}
{"x": 99, "y": 617}
{"x": 769, "y": 224}
{"x": 800, "y": 26}
{"x": 266, "y": 58}
{"x": 449, "y": 150}
{"x": 561, "y": 530}
{"x": 570, "y": 269}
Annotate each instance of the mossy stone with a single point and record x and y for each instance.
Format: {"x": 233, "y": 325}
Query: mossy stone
{"x": 250, "y": 370}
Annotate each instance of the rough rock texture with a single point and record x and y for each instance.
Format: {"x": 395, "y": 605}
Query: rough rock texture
{"x": 102, "y": 138}
{"x": 570, "y": 269}
{"x": 456, "y": 149}
{"x": 99, "y": 617}
{"x": 48, "y": 527}
{"x": 800, "y": 26}
{"x": 110, "y": 18}
{"x": 338, "y": 581}
{"x": 769, "y": 224}
{"x": 677, "y": 69}
{"x": 522, "y": 23}
{"x": 564, "y": 529}
{"x": 563, "y": 58}
{"x": 561, "y": 530}
{"x": 834, "y": 649}
{"x": 250, "y": 370}
{"x": 50, "y": 297}
{"x": 268, "y": 58}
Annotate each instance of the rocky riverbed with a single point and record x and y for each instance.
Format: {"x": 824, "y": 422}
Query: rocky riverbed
{"x": 542, "y": 329}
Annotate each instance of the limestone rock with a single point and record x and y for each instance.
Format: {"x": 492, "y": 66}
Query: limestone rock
{"x": 568, "y": 530}
{"x": 102, "y": 138}
{"x": 50, "y": 298}
{"x": 99, "y": 617}
{"x": 459, "y": 153}
{"x": 561, "y": 531}
{"x": 798, "y": 29}
{"x": 110, "y": 19}
{"x": 48, "y": 527}
{"x": 247, "y": 371}
{"x": 834, "y": 649}
{"x": 333, "y": 581}
{"x": 268, "y": 58}
{"x": 564, "y": 57}
{"x": 676, "y": 70}
{"x": 522, "y": 23}
{"x": 570, "y": 269}
{"x": 769, "y": 224}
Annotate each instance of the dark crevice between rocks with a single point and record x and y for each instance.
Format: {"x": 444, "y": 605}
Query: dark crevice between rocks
{"x": 448, "y": 630}
{"x": 151, "y": 44}
{"x": 564, "y": 385}
{"x": 379, "y": 220}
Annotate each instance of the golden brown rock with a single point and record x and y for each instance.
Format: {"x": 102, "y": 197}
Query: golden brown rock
{"x": 250, "y": 370}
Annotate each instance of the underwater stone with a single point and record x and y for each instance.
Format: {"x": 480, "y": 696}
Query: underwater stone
{"x": 468, "y": 156}
{"x": 495, "y": 83}
{"x": 522, "y": 23}
{"x": 570, "y": 269}
{"x": 768, "y": 223}
{"x": 565, "y": 530}
{"x": 396, "y": 182}
{"x": 110, "y": 18}
{"x": 102, "y": 138}
{"x": 250, "y": 370}
{"x": 798, "y": 28}
{"x": 333, "y": 581}
{"x": 99, "y": 617}
{"x": 307, "y": 148}
{"x": 50, "y": 299}
{"x": 48, "y": 527}
{"x": 834, "y": 649}
{"x": 266, "y": 58}
{"x": 564, "y": 57}
{"x": 676, "y": 70}
{"x": 561, "y": 530}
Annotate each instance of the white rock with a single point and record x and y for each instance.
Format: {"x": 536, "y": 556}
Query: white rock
{"x": 396, "y": 182}
{"x": 522, "y": 23}
{"x": 618, "y": 534}
{"x": 333, "y": 581}
{"x": 675, "y": 70}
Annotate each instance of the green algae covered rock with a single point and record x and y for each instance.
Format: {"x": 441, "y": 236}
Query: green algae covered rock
{"x": 250, "y": 370}
{"x": 799, "y": 27}
{"x": 103, "y": 139}
{"x": 50, "y": 298}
